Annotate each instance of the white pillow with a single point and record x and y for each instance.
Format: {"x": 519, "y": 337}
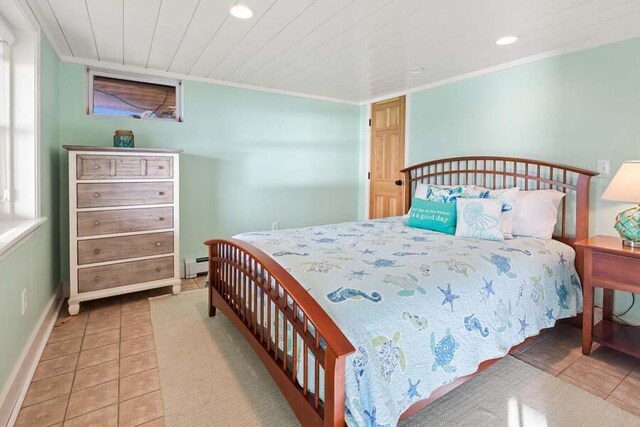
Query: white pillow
{"x": 480, "y": 218}
{"x": 421, "y": 191}
{"x": 536, "y": 212}
{"x": 508, "y": 196}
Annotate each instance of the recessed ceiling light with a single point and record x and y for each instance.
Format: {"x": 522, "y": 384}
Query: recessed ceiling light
{"x": 241, "y": 12}
{"x": 416, "y": 70}
{"x": 506, "y": 40}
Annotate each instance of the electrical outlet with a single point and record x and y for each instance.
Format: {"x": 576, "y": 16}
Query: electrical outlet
{"x": 25, "y": 301}
{"x": 604, "y": 168}
{"x": 275, "y": 226}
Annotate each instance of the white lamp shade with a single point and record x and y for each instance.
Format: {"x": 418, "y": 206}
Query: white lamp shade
{"x": 625, "y": 185}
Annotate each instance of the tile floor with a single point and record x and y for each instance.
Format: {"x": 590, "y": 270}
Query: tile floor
{"x": 606, "y": 373}
{"x": 100, "y": 367}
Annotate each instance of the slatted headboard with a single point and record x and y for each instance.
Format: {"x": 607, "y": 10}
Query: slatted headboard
{"x": 505, "y": 172}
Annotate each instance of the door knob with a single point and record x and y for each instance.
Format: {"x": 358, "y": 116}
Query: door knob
{"x": 398, "y": 182}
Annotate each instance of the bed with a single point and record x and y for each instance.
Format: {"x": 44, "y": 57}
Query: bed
{"x": 366, "y": 322}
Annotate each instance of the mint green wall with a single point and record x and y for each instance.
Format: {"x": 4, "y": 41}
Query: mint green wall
{"x": 572, "y": 109}
{"x": 41, "y": 249}
{"x": 250, "y": 158}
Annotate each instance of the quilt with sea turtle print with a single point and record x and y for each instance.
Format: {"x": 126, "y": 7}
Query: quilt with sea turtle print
{"x": 423, "y": 308}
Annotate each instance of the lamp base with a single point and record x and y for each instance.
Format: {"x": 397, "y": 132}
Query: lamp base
{"x": 628, "y": 226}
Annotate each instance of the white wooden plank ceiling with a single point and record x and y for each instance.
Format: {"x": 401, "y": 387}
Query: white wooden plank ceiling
{"x": 354, "y": 50}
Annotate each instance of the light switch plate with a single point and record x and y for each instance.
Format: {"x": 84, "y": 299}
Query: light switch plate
{"x": 604, "y": 168}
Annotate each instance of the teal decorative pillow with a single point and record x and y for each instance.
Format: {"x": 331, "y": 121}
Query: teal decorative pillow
{"x": 433, "y": 216}
{"x": 480, "y": 218}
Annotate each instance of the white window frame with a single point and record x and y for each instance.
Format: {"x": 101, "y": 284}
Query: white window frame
{"x": 21, "y": 212}
{"x": 5, "y": 118}
{"x": 177, "y": 84}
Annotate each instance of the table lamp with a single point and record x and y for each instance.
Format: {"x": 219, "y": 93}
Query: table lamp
{"x": 625, "y": 187}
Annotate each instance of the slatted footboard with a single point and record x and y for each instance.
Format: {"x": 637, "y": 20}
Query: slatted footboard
{"x": 300, "y": 345}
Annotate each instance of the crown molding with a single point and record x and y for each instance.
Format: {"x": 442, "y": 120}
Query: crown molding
{"x": 497, "y": 68}
{"x": 470, "y": 75}
{"x": 466, "y": 76}
{"x": 103, "y": 65}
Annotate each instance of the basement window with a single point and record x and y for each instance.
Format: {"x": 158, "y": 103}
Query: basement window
{"x": 112, "y": 94}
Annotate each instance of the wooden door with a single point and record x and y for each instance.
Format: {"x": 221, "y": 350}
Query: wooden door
{"x": 386, "y": 189}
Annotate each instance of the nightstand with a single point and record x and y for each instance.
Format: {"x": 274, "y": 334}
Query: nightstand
{"x": 611, "y": 266}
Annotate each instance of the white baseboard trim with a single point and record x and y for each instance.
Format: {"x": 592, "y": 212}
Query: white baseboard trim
{"x": 16, "y": 389}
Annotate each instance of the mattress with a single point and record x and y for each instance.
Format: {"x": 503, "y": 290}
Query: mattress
{"x": 422, "y": 308}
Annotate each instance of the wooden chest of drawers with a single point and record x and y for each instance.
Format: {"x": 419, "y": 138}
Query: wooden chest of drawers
{"x": 124, "y": 221}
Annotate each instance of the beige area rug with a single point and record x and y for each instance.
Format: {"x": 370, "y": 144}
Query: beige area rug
{"x": 211, "y": 377}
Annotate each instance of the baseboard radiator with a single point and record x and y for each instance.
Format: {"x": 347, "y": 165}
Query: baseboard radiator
{"x": 195, "y": 266}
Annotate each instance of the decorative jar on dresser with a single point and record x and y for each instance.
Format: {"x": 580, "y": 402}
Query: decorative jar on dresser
{"x": 124, "y": 221}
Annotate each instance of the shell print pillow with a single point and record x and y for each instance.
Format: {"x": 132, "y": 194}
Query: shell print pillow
{"x": 480, "y": 218}
{"x": 508, "y": 197}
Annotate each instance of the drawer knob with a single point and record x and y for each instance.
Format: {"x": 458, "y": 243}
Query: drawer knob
{"x": 158, "y": 244}
{"x": 159, "y": 193}
{"x": 160, "y": 218}
{"x": 96, "y": 223}
{"x": 96, "y": 251}
{"x": 96, "y": 167}
{"x": 160, "y": 167}
{"x": 158, "y": 269}
{"x": 97, "y": 279}
{"x": 96, "y": 195}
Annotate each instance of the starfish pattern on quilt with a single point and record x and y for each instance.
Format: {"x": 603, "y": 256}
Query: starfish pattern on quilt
{"x": 449, "y": 296}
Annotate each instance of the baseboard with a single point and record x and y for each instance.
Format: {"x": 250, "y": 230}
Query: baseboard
{"x": 16, "y": 389}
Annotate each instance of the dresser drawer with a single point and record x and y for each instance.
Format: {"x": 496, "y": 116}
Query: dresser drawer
{"x": 122, "y": 274}
{"x": 124, "y": 221}
{"x": 117, "y": 248}
{"x": 124, "y": 194}
{"x": 123, "y": 167}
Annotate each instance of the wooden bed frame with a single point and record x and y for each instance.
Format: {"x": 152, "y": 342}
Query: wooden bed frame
{"x": 244, "y": 280}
